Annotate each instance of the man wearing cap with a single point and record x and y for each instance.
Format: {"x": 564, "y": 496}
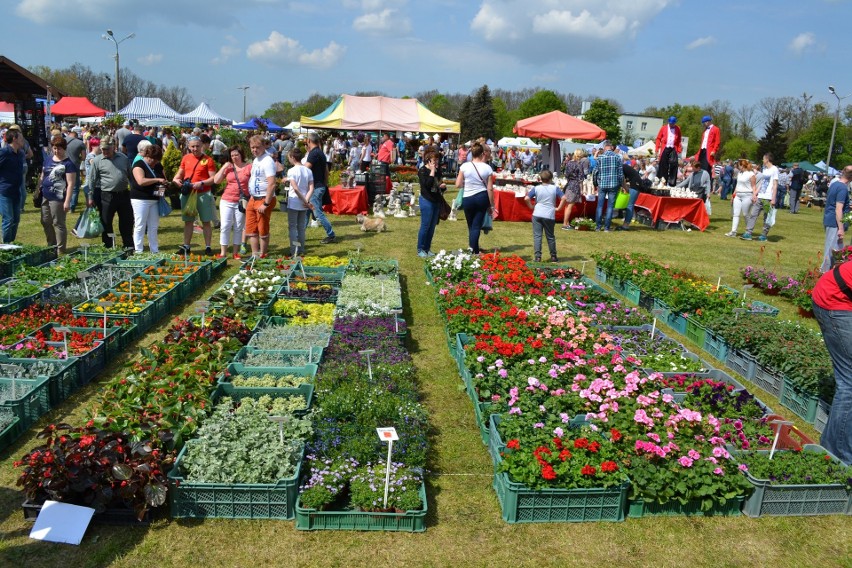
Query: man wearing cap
{"x": 710, "y": 140}
{"x": 668, "y": 147}
{"x": 608, "y": 177}
{"x": 110, "y": 192}
{"x": 122, "y": 132}
{"x": 131, "y": 142}
{"x": 11, "y": 178}
{"x": 76, "y": 151}
{"x": 198, "y": 170}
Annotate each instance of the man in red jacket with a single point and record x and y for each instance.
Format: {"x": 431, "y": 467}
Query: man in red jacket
{"x": 709, "y": 146}
{"x": 668, "y": 147}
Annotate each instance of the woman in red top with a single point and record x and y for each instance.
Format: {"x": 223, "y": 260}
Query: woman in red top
{"x": 237, "y": 172}
{"x": 832, "y": 303}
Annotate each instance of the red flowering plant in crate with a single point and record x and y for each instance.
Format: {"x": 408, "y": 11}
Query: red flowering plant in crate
{"x": 94, "y": 468}
{"x": 567, "y": 459}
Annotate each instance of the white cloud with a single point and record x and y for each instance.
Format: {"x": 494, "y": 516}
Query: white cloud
{"x": 282, "y": 49}
{"x": 150, "y": 59}
{"x": 386, "y": 21}
{"x": 44, "y": 11}
{"x": 227, "y": 51}
{"x": 801, "y": 42}
{"x": 701, "y": 42}
{"x": 555, "y": 29}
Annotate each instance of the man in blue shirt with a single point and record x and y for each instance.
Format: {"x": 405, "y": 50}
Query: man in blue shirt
{"x": 11, "y": 178}
{"x": 608, "y": 176}
{"x": 836, "y": 204}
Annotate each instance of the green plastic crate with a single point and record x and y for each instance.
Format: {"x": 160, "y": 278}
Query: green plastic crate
{"x": 695, "y": 332}
{"x": 33, "y": 404}
{"x": 240, "y": 369}
{"x": 112, "y": 338}
{"x": 715, "y": 346}
{"x": 770, "y": 499}
{"x": 632, "y": 293}
{"x": 600, "y": 274}
{"x": 143, "y": 320}
{"x": 286, "y": 356}
{"x": 638, "y": 509}
{"x": 663, "y": 307}
{"x": 763, "y": 309}
{"x": 802, "y": 404}
{"x": 523, "y": 505}
{"x": 768, "y": 380}
{"x": 742, "y": 363}
{"x": 238, "y": 393}
{"x": 319, "y": 341}
{"x": 821, "y": 417}
{"x": 60, "y": 384}
{"x": 232, "y": 500}
{"x": 409, "y": 521}
{"x": 462, "y": 339}
{"x": 10, "y": 434}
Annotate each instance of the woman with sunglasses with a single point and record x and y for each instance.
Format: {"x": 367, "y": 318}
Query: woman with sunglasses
{"x": 58, "y": 176}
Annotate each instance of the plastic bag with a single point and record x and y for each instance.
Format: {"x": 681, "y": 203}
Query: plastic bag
{"x": 457, "y": 202}
{"x": 770, "y": 217}
{"x": 89, "y": 224}
{"x": 488, "y": 223}
{"x": 622, "y": 200}
{"x": 190, "y": 208}
{"x": 164, "y": 208}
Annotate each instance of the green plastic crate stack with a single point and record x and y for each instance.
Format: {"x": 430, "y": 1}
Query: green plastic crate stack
{"x": 409, "y": 521}
{"x": 27, "y": 398}
{"x": 232, "y": 500}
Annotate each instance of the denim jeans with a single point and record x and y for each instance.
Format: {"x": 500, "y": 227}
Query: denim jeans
{"x": 429, "y": 212}
{"x": 10, "y": 211}
{"x": 609, "y": 194}
{"x": 836, "y": 326}
{"x": 541, "y": 225}
{"x": 23, "y": 191}
{"x": 781, "y": 195}
{"x": 754, "y": 213}
{"x": 297, "y": 222}
{"x": 830, "y": 244}
{"x": 631, "y": 203}
{"x": 475, "y": 207}
{"x": 316, "y": 199}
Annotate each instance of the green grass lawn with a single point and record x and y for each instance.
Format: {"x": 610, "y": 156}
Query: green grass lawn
{"x": 464, "y": 522}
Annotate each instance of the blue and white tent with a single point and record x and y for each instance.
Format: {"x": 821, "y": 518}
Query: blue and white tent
{"x": 144, "y": 108}
{"x": 202, "y": 114}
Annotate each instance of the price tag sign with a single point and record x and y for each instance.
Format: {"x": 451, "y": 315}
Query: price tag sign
{"x": 396, "y": 314}
{"x": 366, "y": 353}
{"x": 280, "y": 420}
{"x": 65, "y": 331}
{"x": 583, "y": 267}
{"x": 105, "y": 304}
{"x": 779, "y": 424}
{"x": 387, "y": 434}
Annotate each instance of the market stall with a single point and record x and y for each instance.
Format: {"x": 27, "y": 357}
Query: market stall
{"x": 674, "y": 210}
{"x": 347, "y": 201}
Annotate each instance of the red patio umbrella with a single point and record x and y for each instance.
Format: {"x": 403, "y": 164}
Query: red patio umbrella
{"x": 76, "y": 106}
{"x": 556, "y": 124}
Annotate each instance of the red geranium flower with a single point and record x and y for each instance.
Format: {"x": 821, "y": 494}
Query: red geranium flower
{"x": 513, "y": 444}
{"x": 588, "y": 470}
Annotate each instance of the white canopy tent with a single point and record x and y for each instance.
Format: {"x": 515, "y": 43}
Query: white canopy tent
{"x": 643, "y": 151}
{"x": 519, "y": 142}
{"x": 202, "y": 114}
{"x": 144, "y": 108}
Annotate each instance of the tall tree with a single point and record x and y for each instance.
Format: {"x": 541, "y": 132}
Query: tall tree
{"x": 745, "y": 122}
{"x": 505, "y": 120}
{"x": 540, "y": 103}
{"x": 604, "y": 114}
{"x": 482, "y": 122}
{"x": 465, "y": 119}
{"x": 812, "y": 144}
{"x": 774, "y": 140}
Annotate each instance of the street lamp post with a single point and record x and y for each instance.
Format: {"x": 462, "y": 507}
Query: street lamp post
{"x": 834, "y": 128}
{"x": 244, "y": 89}
{"x": 110, "y": 36}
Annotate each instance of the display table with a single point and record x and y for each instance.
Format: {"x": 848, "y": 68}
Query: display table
{"x": 511, "y": 208}
{"x": 347, "y": 201}
{"x": 674, "y": 210}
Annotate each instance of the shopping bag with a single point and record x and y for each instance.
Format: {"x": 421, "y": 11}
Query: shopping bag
{"x": 445, "y": 209}
{"x": 89, "y": 224}
{"x": 770, "y": 217}
{"x": 488, "y": 223}
{"x": 164, "y": 208}
{"x": 190, "y": 208}
{"x": 457, "y": 202}
{"x": 622, "y": 200}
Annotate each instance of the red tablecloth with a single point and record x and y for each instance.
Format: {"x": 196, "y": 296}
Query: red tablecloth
{"x": 347, "y": 201}
{"x": 511, "y": 208}
{"x": 674, "y": 209}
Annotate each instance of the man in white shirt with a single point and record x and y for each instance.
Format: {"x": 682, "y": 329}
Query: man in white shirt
{"x": 765, "y": 194}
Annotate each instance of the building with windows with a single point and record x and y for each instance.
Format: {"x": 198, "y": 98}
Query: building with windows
{"x": 636, "y": 129}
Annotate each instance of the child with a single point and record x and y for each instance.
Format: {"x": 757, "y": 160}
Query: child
{"x": 544, "y": 213}
{"x": 298, "y": 199}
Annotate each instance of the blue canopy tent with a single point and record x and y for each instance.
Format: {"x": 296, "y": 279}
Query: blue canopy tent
{"x": 255, "y": 124}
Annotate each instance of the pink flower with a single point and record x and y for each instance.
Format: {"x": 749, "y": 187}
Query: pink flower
{"x": 558, "y": 432}
{"x": 693, "y": 454}
{"x": 743, "y": 467}
{"x": 719, "y": 471}
{"x": 685, "y": 461}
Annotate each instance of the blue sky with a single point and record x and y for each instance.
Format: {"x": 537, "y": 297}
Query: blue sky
{"x": 639, "y": 52}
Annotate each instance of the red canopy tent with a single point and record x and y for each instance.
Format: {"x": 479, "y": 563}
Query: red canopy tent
{"x": 76, "y": 106}
{"x": 556, "y": 124}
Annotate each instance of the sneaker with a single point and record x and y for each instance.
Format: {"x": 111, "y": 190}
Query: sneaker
{"x": 597, "y": 229}
{"x": 183, "y": 249}
{"x": 731, "y": 234}
{"x": 220, "y": 255}
{"x": 537, "y": 259}
{"x": 607, "y": 230}
{"x": 329, "y": 240}
{"x": 761, "y": 238}
{"x": 237, "y": 256}
{"x": 430, "y": 254}
{"x": 422, "y": 254}
{"x": 263, "y": 255}
{"x": 746, "y": 236}
{"x": 314, "y": 223}
{"x": 208, "y": 251}
{"x": 554, "y": 259}
{"x": 567, "y": 227}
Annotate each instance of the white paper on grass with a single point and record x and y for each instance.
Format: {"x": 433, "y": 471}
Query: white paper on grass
{"x": 61, "y": 522}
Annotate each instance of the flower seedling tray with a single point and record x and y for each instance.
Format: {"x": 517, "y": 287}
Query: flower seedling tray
{"x": 639, "y": 508}
{"x": 60, "y": 384}
{"x": 802, "y": 404}
{"x": 140, "y": 263}
{"x": 763, "y": 309}
{"x": 238, "y": 393}
{"x": 677, "y": 322}
{"x": 769, "y": 499}
{"x": 715, "y": 374}
{"x": 240, "y": 369}
{"x": 664, "y": 308}
{"x": 285, "y": 355}
{"x": 409, "y": 521}
{"x": 768, "y": 380}
{"x": 143, "y": 319}
{"x": 320, "y": 341}
{"x": 232, "y": 500}
{"x": 600, "y": 274}
{"x": 742, "y": 363}
{"x": 523, "y": 505}
{"x": 196, "y": 278}
{"x": 31, "y": 403}
{"x": 217, "y": 265}
{"x": 112, "y": 338}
